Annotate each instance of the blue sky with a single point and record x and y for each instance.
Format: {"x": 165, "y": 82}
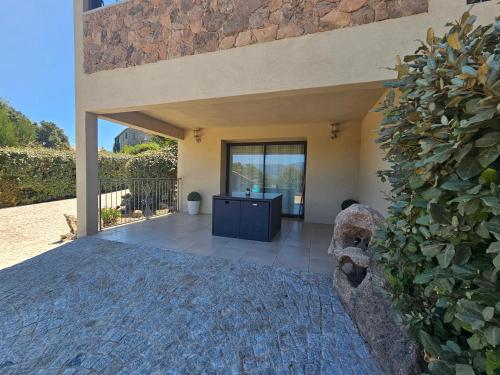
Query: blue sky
{"x": 37, "y": 64}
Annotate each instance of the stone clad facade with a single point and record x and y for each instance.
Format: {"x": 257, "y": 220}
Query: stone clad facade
{"x": 144, "y": 31}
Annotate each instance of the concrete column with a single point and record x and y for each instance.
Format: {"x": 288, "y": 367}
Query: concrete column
{"x": 86, "y": 174}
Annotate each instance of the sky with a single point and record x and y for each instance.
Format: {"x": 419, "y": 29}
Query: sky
{"x": 37, "y": 64}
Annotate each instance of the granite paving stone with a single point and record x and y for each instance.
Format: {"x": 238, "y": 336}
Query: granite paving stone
{"x": 96, "y": 306}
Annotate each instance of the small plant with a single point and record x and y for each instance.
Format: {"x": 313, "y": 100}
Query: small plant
{"x": 194, "y": 197}
{"x": 110, "y": 216}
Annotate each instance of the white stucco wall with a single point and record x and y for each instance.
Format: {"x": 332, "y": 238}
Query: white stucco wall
{"x": 371, "y": 190}
{"x": 332, "y": 165}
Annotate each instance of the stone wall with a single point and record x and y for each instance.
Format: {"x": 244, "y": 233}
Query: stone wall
{"x": 144, "y": 31}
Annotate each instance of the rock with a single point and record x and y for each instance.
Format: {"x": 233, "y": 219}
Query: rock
{"x": 266, "y": 34}
{"x": 361, "y": 287}
{"x": 227, "y": 42}
{"x": 72, "y": 223}
{"x": 289, "y": 30}
{"x": 244, "y": 38}
{"x": 275, "y": 5}
{"x": 363, "y": 16}
{"x": 205, "y": 42}
{"x": 137, "y": 214}
{"x": 235, "y": 24}
{"x": 213, "y": 21}
{"x": 335, "y": 20}
{"x": 361, "y": 290}
{"x": 259, "y": 18}
{"x": 323, "y": 8}
{"x": 350, "y": 6}
{"x": 381, "y": 12}
{"x": 409, "y": 7}
{"x": 355, "y": 254}
{"x": 73, "y": 228}
{"x": 355, "y": 227}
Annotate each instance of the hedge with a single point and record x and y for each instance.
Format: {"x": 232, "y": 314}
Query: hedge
{"x": 149, "y": 164}
{"x": 35, "y": 175}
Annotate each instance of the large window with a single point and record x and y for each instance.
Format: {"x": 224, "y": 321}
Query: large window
{"x": 270, "y": 168}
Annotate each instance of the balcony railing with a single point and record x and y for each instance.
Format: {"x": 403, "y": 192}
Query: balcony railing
{"x": 123, "y": 201}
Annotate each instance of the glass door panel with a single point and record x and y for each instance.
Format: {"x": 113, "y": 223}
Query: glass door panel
{"x": 285, "y": 173}
{"x": 246, "y": 168}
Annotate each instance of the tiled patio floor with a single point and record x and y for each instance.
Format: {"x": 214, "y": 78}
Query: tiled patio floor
{"x": 300, "y": 246}
{"x": 102, "y": 307}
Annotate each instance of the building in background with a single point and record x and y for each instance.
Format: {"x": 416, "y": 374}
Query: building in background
{"x": 130, "y": 137}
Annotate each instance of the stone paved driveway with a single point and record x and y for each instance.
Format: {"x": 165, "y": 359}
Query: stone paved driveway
{"x": 103, "y": 307}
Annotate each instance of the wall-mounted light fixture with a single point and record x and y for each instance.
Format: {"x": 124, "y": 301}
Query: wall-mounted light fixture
{"x": 197, "y": 135}
{"x": 334, "y": 131}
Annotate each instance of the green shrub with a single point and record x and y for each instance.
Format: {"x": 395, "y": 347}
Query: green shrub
{"x": 441, "y": 250}
{"x": 110, "y": 216}
{"x": 140, "y": 148}
{"x": 153, "y": 164}
{"x": 149, "y": 165}
{"x": 113, "y": 165}
{"x": 194, "y": 197}
{"x": 34, "y": 175}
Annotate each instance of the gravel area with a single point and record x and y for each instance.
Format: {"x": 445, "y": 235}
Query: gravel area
{"x": 28, "y": 231}
{"x": 102, "y": 307}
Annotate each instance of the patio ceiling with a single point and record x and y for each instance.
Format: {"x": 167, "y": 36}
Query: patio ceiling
{"x": 321, "y": 105}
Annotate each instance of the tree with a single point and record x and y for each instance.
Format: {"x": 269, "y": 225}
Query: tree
{"x": 49, "y": 135}
{"x": 15, "y": 128}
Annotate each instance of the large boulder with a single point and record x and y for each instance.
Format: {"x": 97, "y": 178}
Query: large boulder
{"x": 355, "y": 227}
{"x": 361, "y": 287}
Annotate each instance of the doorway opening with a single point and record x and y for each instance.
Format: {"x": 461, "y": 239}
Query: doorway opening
{"x": 269, "y": 167}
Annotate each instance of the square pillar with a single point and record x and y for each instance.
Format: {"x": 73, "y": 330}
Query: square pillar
{"x": 87, "y": 186}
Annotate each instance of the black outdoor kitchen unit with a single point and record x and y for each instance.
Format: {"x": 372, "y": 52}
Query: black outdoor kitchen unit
{"x": 256, "y": 217}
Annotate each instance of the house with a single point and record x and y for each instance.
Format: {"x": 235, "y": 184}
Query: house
{"x": 130, "y": 137}
{"x": 261, "y": 94}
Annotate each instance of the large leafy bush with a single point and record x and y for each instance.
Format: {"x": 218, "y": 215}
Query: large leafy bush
{"x": 441, "y": 249}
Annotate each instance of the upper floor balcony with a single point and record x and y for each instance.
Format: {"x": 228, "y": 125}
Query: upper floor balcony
{"x": 137, "y": 32}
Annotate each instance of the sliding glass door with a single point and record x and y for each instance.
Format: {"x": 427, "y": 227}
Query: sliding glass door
{"x": 271, "y": 168}
{"x": 246, "y": 168}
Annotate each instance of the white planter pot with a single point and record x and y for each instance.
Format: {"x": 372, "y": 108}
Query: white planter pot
{"x": 193, "y": 208}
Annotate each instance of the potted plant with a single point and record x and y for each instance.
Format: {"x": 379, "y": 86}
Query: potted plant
{"x": 194, "y": 200}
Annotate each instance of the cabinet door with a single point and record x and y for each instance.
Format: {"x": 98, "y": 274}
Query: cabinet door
{"x": 226, "y": 218}
{"x": 254, "y": 221}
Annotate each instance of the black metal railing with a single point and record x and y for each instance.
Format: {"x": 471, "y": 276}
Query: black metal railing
{"x": 123, "y": 201}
